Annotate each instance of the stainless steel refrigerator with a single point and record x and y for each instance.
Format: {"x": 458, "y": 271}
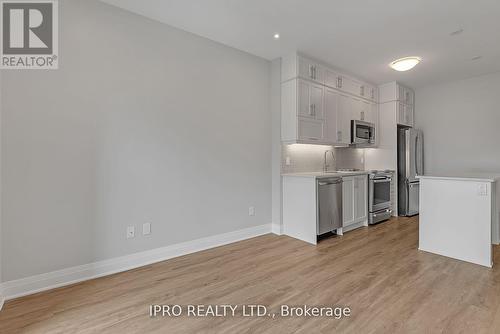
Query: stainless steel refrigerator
{"x": 410, "y": 164}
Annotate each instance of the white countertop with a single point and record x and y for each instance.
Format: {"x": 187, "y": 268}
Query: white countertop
{"x": 327, "y": 174}
{"x": 474, "y": 177}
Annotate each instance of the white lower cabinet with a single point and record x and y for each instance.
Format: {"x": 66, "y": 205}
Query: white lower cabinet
{"x": 354, "y": 200}
{"x": 360, "y": 198}
{"x": 347, "y": 201}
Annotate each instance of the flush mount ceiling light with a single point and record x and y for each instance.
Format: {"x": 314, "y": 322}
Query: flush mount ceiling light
{"x": 276, "y": 36}
{"x": 405, "y": 64}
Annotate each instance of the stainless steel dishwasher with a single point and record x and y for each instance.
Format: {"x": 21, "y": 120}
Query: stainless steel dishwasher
{"x": 329, "y": 204}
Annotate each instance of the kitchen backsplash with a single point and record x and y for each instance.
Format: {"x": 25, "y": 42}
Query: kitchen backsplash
{"x": 310, "y": 158}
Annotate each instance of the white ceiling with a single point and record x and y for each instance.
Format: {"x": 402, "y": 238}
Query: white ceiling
{"x": 359, "y": 36}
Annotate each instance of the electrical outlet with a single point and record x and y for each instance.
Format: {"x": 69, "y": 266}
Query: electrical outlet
{"x": 130, "y": 232}
{"x": 251, "y": 211}
{"x": 288, "y": 162}
{"x": 482, "y": 190}
{"x": 146, "y": 229}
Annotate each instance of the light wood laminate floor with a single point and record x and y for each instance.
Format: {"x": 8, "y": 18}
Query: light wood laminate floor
{"x": 390, "y": 286}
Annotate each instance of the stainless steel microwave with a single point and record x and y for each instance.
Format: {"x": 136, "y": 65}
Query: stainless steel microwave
{"x": 362, "y": 133}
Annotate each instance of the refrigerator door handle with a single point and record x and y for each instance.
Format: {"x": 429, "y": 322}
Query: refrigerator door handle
{"x": 407, "y": 154}
{"x": 407, "y": 206}
{"x": 416, "y": 156}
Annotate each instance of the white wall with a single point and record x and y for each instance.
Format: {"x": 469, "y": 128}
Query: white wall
{"x": 460, "y": 123}
{"x": 141, "y": 123}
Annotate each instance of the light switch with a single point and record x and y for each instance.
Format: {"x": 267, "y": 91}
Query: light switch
{"x": 146, "y": 229}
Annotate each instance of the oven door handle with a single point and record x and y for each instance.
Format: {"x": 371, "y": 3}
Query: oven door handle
{"x": 381, "y": 180}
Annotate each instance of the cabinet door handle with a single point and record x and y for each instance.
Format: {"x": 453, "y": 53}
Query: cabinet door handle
{"x": 314, "y": 72}
{"x": 311, "y": 71}
{"x": 339, "y": 82}
{"x": 362, "y": 115}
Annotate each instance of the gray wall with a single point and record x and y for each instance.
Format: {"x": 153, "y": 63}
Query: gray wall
{"x": 276, "y": 142}
{"x": 460, "y": 122}
{"x": 1, "y": 242}
{"x": 141, "y": 123}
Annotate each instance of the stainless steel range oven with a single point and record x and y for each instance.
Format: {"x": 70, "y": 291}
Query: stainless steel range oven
{"x": 379, "y": 196}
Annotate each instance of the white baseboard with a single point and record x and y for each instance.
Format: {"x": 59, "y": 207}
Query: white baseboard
{"x": 33, "y": 284}
{"x": 276, "y": 229}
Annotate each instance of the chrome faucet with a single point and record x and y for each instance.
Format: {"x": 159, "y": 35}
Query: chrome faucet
{"x": 325, "y": 165}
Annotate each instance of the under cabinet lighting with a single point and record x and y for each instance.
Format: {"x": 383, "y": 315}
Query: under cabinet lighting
{"x": 405, "y": 64}
{"x": 276, "y": 36}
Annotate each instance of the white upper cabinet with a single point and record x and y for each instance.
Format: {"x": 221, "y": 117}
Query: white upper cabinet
{"x": 303, "y": 102}
{"x": 297, "y": 66}
{"x": 318, "y": 103}
{"x": 333, "y": 79}
{"x": 370, "y": 112}
{"x": 405, "y": 95}
{"x": 393, "y": 91}
{"x": 351, "y": 86}
{"x": 357, "y": 112}
{"x": 344, "y": 118}
{"x": 332, "y": 116}
{"x": 310, "y": 70}
{"x": 370, "y": 92}
{"x": 310, "y": 130}
{"x": 404, "y": 98}
{"x": 337, "y": 109}
{"x": 405, "y": 114}
{"x": 362, "y": 110}
{"x": 310, "y": 99}
{"x": 366, "y": 112}
{"x": 302, "y": 118}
